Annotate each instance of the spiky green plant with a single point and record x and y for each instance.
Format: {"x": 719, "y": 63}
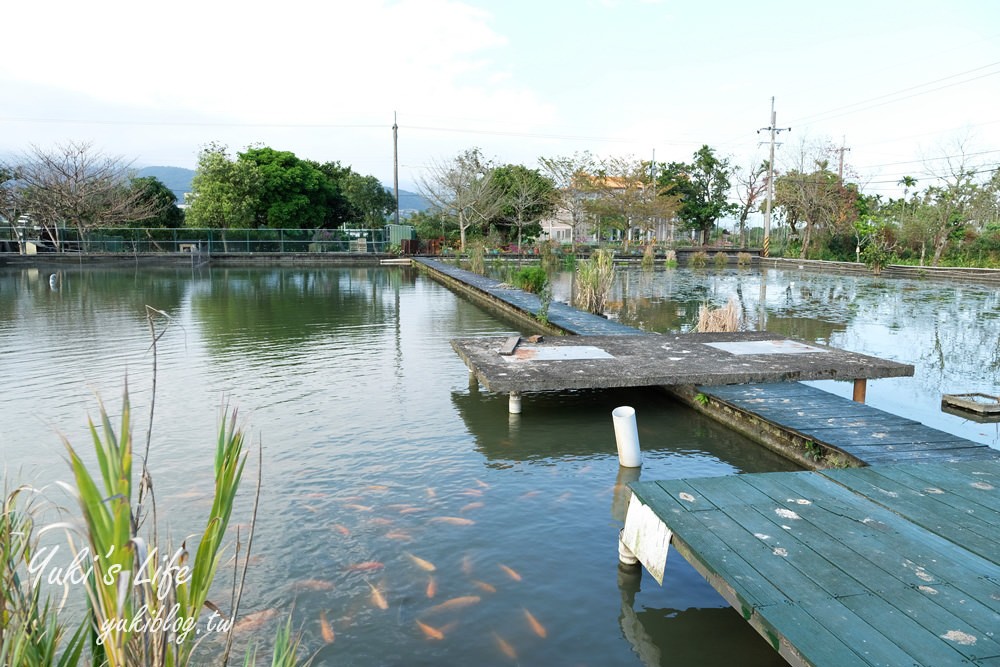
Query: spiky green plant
{"x": 595, "y": 277}
{"x": 670, "y": 259}
{"x": 720, "y": 259}
{"x": 744, "y": 259}
{"x": 477, "y": 258}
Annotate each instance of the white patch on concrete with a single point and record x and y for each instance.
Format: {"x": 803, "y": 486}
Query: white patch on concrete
{"x": 799, "y": 501}
{"x": 786, "y": 514}
{"x": 762, "y": 536}
{"x": 982, "y": 486}
{"x": 556, "y": 353}
{"x": 927, "y": 589}
{"x": 686, "y": 497}
{"x": 766, "y": 347}
{"x": 778, "y": 551}
{"x": 934, "y": 490}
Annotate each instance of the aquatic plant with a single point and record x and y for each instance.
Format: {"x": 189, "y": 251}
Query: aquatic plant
{"x": 720, "y": 259}
{"x": 726, "y": 318}
{"x": 744, "y": 259}
{"x": 594, "y": 279}
{"x": 531, "y": 279}
{"x": 698, "y": 260}
{"x": 670, "y": 259}
{"x": 648, "y": 258}
{"x": 477, "y": 258}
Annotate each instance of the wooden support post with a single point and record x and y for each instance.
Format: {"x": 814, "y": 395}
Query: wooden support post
{"x": 860, "y": 387}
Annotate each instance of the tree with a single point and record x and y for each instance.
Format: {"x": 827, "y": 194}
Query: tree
{"x": 223, "y": 192}
{"x": 572, "y": 178}
{"x": 526, "y": 197}
{"x": 947, "y": 206}
{"x": 161, "y": 199}
{"x": 751, "y": 186}
{"x": 11, "y": 201}
{"x": 76, "y": 186}
{"x": 464, "y": 189}
{"x": 621, "y": 196}
{"x": 370, "y": 202}
{"x": 703, "y": 188}
{"x": 291, "y": 193}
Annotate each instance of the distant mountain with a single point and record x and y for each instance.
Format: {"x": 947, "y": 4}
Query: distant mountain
{"x": 178, "y": 180}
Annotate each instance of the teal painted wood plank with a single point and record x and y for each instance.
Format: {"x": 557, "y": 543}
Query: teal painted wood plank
{"x": 925, "y": 632}
{"x": 883, "y": 536}
{"x": 826, "y": 632}
{"x": 976, "y": 483}
{"x": 971, "y": 532}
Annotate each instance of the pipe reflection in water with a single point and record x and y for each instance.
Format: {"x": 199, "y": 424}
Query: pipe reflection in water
{"x": 629, "y": 581}
{"x": 622, "y": 494}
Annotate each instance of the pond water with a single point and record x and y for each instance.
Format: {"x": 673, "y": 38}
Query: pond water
{"x": 949, "y": 331}
{"x": 377, "y": 453}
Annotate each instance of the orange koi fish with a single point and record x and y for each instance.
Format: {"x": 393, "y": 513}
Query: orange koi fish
{"x": 530, "y": 494}
{"x": 505, "y": 647}
{"x": 453, "y": 520}
{"x": 377, "y": 598}
{"x": 381, "y": 521}
{"x": 510, "y": 573}
{"x": 399, "y": 535}
{"x": 483, "y": 586}
{"x": 454, "y": 603}
{"x": 430, "y": 632}
{"x": 424, "y": 565}
{"x": 313, "y": 585}
{"x": 471, "y": 492}
{"x": 325, "y": 629}
{"x": 411, "y": 510}
{"x": 536, "y": 627}
{"x": 482, "y": 484}
{"x": 359, "y": 508}
{"x": 255, "y": 620}
{"x": 471, "y": 506}
{"x": 466, "y": 564}
{"x": 431, "y": 587}
{"x": 342, "y": 529}
{"x": 366, "y": 566}
{"x": 431, "y": 493}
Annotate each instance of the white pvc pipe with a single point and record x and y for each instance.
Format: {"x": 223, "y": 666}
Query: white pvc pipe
{"x": 627, "y": 437}
{"x": 514, "y": 404}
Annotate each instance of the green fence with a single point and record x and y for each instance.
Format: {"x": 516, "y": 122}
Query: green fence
{"x": 143, "y": 240}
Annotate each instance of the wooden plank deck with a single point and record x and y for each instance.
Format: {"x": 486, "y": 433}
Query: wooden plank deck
{"x": 864, "y": 432}
{"x": 886, "y": 565}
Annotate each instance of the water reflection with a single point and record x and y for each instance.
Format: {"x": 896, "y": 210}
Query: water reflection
{"x": 948, "y": 331}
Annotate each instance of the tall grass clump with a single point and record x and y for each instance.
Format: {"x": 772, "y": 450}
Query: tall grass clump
{"x": 477, "y": 258}
{"x": 144, "y": 597}
{"x": 726, "y": 318}
{"x": 531, "y": 279}
{"x": 744, "y": 259}
{"x": 594, "y": 278}
{"x": 720, "y": 259}
{"x": 698, "y": 260}
{"x": 648, "y": 258}
{"x": 670, "y": 259}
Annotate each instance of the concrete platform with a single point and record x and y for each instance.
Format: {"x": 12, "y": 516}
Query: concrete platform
{"x": 597, "y": 362}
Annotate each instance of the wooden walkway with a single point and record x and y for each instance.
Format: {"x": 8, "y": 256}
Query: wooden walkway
{"x": 868, "y": 434}
{"x": 888, "y": 565}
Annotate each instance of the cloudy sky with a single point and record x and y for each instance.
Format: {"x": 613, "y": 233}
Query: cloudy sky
{"x": 896, "y": 82}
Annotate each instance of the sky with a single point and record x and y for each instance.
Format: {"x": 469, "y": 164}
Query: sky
{"x": 903, "y": 86}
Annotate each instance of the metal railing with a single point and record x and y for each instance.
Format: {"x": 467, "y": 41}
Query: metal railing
{"x": 139, "y": 240}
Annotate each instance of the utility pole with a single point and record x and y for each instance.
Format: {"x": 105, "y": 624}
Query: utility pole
{"x": 840, "y": 164}
{"x": 770, "y": 178}
{"x": 395, "y": 163}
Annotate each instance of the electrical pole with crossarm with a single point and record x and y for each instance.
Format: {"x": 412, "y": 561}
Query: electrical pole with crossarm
{"x": 770, "y": 178}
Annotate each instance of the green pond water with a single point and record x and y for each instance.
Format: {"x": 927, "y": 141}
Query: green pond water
{"x": 379, "y": 458}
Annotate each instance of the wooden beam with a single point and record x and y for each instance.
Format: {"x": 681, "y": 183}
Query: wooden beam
{"x": 860, "y": 387}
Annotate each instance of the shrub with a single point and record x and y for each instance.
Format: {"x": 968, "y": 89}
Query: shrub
{"x": 531, "y": 279}
{"x": 595, "y": 277}
{"x": 698, "y": 260}
{"x": 720, "y": 259}
{"x": 744, "y": 259}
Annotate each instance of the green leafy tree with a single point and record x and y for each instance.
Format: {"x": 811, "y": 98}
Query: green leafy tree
{"x": 526, "y": 196}
{"x": 224, "y": 192}
{"x": 291, "y": 192}
{"x": 703, "y": 188}
{"x": 369, "y": 200}
{"x": 161, "y": 199}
